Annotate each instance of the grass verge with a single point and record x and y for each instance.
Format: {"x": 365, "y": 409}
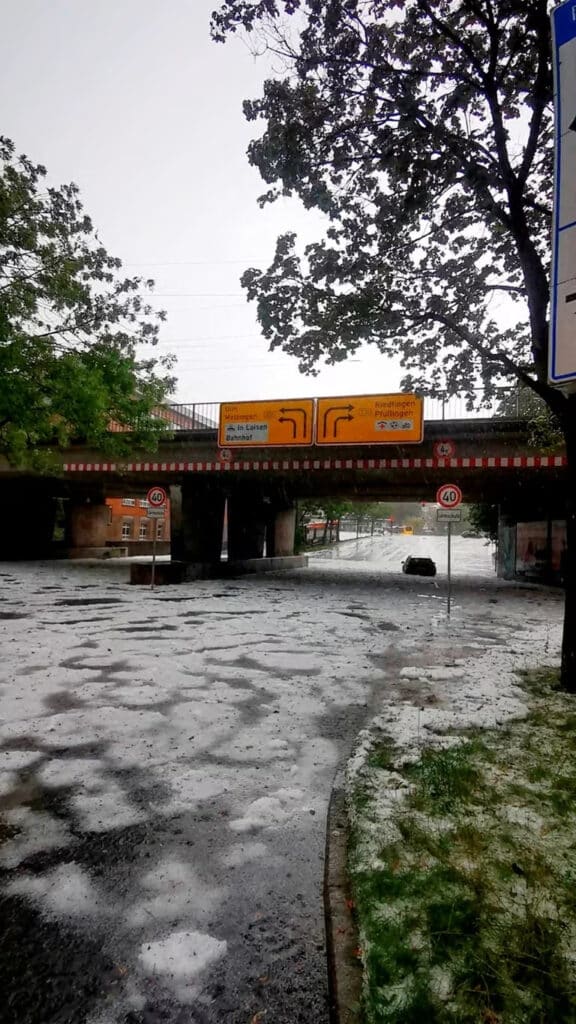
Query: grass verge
{"x": 463, "y": 870}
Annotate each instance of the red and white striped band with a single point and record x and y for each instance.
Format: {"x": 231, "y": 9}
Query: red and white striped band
{"x": 281, "y": 465}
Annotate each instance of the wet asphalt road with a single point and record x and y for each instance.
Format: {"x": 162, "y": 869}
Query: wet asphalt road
{"x": 166, "y": 761}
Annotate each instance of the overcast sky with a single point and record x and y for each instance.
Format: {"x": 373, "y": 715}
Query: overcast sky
{"x": 133, "y": 101}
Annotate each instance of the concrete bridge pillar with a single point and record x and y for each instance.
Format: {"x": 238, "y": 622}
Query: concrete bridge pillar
{"x": 27, "y": 524}
{"x": 506, "y": 550}
{"x": 284, "y": 532}
{"x": 197, "y": 522}
{"x": 248, "y": 518}
{"x": 87, "y": 529}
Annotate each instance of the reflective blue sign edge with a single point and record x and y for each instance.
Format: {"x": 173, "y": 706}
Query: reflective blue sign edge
{"x": 563, "y": 23}
{"x": 563, "y": 30}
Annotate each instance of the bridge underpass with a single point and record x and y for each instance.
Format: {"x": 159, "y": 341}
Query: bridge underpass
{"x": 181, "y": 747}
{"x": 259, "y": 487}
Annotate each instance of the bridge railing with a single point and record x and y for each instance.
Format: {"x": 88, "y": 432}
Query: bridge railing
{"x": 507, "y": 403}
{"x": 196, "y": 417}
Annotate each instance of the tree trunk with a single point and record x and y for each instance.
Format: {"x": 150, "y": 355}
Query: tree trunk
{"x": 568, "y": 671}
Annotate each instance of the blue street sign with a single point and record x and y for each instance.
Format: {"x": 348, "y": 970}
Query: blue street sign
{"x": 562, "y": 362}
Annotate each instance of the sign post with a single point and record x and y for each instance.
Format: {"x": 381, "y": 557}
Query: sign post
{"x": 449, "y": 593}
{"x": 449, "y": 497}
{"x": 156, "y": 499}
{"x": 562, "y": 368}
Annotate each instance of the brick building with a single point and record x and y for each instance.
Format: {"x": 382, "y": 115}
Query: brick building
{"x": 129, "y": 522}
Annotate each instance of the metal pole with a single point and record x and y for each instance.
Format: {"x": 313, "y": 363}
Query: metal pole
{"x": 449, "y": 568}
{"x": 155, "y": 524}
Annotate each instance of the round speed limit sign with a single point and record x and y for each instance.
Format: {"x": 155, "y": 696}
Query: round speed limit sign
{"x": 156, "y": 497}
{"x": 449, "y": 496}
{"x": 444, "y": 450}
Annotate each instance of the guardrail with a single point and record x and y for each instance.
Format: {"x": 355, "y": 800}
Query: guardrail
{"x": 506, "y": 404}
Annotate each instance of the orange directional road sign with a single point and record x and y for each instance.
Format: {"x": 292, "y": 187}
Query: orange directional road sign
{"x": 263, "y": 424}
{"x": 369, "y": 419}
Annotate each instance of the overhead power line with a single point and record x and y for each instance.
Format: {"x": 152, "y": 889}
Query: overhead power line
{"x": 209, "y": 337}
{"x": 206, "y": 309}
{"x": 226, "y": 367}
{"x": 185, "y": 344}
{"x": 176, "y": 347}
{"x": 196, "y": 263}
{"x": 191, "y": 295}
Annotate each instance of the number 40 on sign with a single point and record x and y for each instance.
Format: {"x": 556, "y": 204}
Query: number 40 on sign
{"x": 449, "y": 496}
{"x": 157, "y": 497}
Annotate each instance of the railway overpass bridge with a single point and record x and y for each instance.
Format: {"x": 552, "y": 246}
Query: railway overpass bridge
{"x": 490, "y": 459}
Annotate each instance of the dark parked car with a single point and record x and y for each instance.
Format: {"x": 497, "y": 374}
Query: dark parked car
{"x": 419, "y": 566}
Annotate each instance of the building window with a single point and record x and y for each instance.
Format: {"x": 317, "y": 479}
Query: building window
{"x": 159, "y": 530}
{"x": 143, "y": 533}
{"x": 129, "y": 501}
{"x": 143, "y": 503}
{"x": 126, "y": 529}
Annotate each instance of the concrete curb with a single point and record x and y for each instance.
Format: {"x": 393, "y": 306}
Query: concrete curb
{"x": 344, "y": 969}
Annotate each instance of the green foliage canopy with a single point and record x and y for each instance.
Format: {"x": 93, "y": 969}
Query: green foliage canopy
{"x": 544, "y": 429}
{"x": 423, "y": 129}
{"x": 71, "y": 328}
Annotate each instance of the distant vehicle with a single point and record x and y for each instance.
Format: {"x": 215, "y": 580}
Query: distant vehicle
{"x": 407, "y": 531}
{"x": 414, "y": 566}
{"x": 470, "y": 533}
